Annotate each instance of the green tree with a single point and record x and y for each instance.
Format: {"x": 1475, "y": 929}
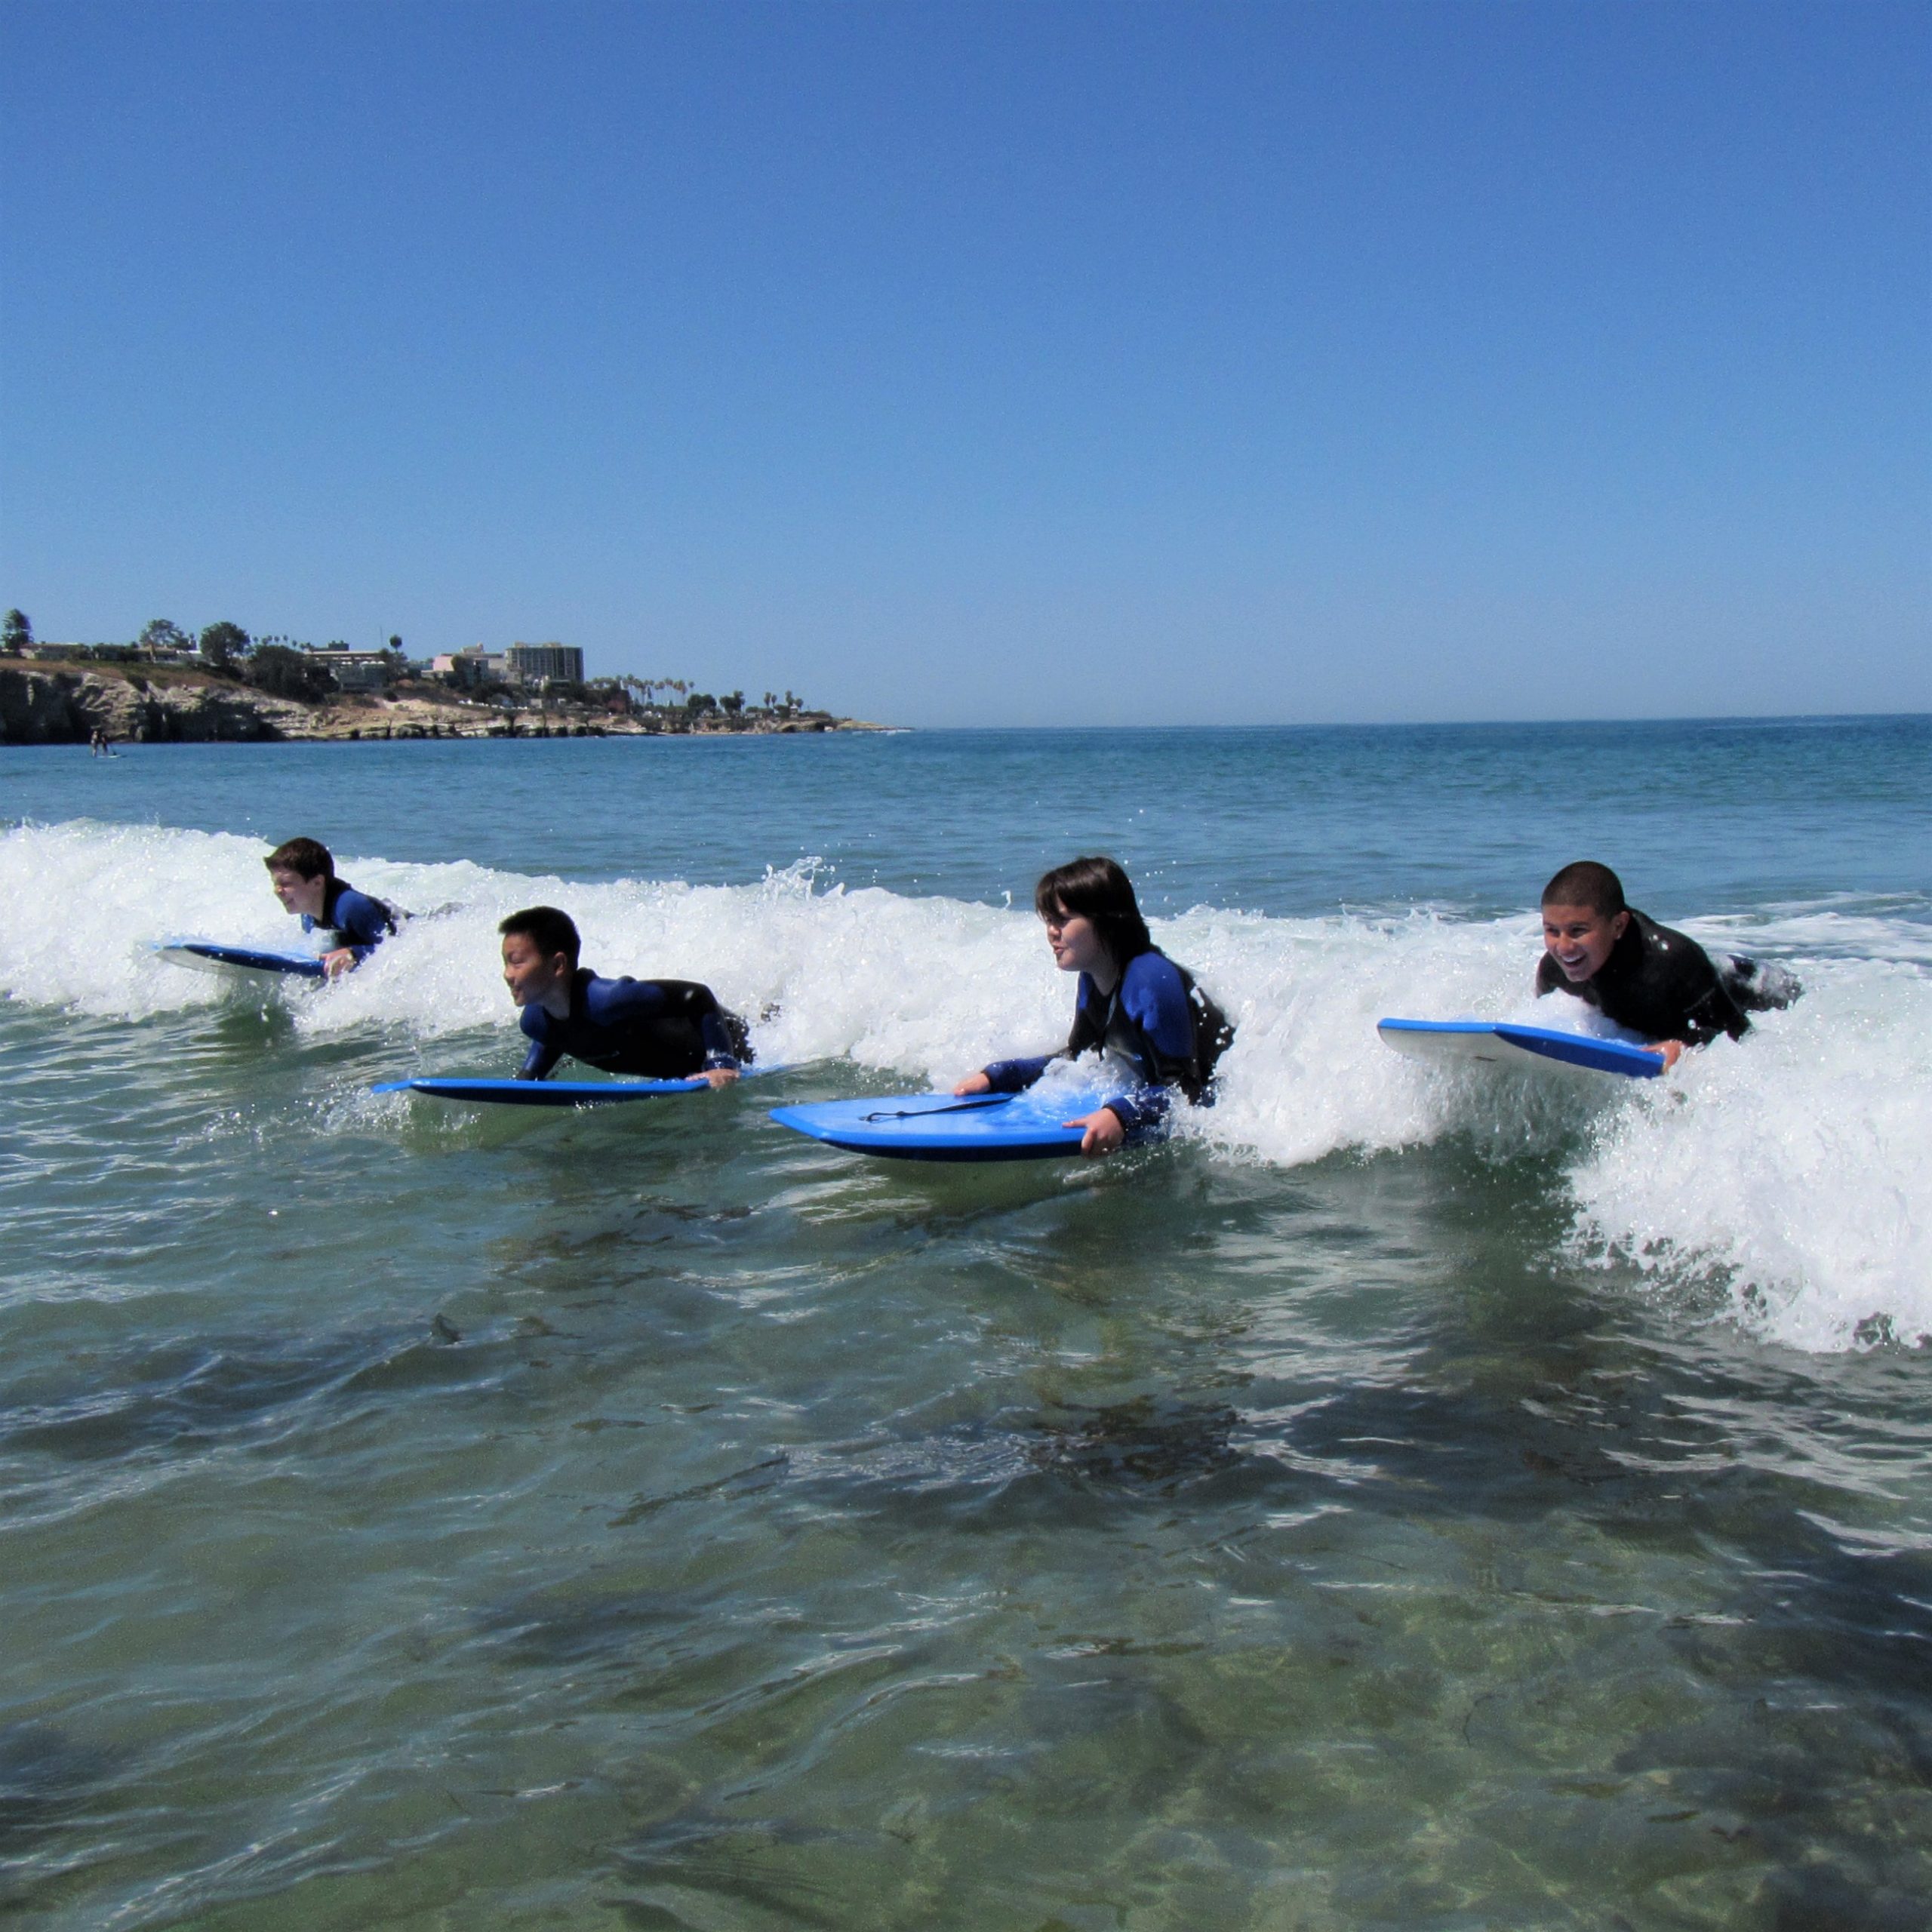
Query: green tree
{"x": 160, "y": 634}
{"x": 292, "y": 674}
{"x": 224, "y": 645}
{"x": 16, "y": 633}
{"x": 734, "y": 703}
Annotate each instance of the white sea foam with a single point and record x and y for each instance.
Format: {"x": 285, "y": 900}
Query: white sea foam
{"x": 1795, "y": 1168}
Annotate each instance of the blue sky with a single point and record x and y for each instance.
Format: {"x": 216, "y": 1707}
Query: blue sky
{"x": 966, "y": 364}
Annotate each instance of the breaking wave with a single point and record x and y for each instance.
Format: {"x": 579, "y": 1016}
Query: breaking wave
{"x": 1792, "y": 1169}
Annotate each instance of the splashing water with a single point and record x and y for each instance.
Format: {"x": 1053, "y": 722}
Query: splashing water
{"x": 1794, "y": 1169}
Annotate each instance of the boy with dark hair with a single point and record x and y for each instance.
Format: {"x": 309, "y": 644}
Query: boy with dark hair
{"x": 303, "y": 871}
{"x": 1644, "y": 976}
{"x": 657, "y": 1029}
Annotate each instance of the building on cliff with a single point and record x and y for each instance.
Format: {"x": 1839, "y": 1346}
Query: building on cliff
{"x": 546, "y": 663}
{"x": 355, "y": 670}
{"x": 531, "y": 665}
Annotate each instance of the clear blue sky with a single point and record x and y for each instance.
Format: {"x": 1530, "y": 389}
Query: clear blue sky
{"x": 974, "y": 363}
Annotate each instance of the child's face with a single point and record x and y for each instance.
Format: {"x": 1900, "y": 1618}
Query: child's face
{"x": 528, "y": 973}
{"x": 1076, "y": 945}
{"x": 1578, "y": 938}
{"x": 298, "y": 894}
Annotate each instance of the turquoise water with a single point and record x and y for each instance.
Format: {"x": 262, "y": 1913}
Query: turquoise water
{"x": 1402, "y": 1502}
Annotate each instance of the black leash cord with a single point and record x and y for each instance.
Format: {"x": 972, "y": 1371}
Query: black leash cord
{"x": 958, "y": 1107}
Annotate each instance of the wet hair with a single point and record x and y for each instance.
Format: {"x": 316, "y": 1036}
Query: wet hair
{"x": 550, "y": 931}
{"x": 1586, "y": 883}
{"x": 1097, "y": 889}
{"x": 307, "y": 858}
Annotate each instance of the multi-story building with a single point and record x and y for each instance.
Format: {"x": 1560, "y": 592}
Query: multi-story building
{"x": 528, "y": 664}
{"x": 546, "y": 663}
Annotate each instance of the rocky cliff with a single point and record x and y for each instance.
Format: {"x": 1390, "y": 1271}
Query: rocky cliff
{"x": 46, "y": 704}
{"x": 52, "y": 707}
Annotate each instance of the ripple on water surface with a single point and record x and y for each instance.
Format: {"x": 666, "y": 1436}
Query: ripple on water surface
{"x": 1387, "y": 1507}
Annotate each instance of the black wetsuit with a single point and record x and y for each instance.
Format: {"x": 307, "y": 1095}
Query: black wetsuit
{"x": 1663, "y": 984}
{"x": 658, "y": 1029}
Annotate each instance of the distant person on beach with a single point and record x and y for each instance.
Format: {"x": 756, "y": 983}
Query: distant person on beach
{"x": 303, "y": 871}
{"x": 1144, "y": 1014}
{"x": 1644, "y": 976}
{"x": 653, "y": 1029}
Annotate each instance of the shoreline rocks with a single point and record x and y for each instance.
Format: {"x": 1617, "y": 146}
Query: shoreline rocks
{"x": 42, "y": 705}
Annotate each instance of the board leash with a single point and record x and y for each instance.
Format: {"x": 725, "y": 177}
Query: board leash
{"x": 972, "y": 1106}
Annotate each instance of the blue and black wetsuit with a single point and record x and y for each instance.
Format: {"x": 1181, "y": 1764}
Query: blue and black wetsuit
{"x": 658, "y": 1029}
{"x": 1156, "y": 1026}
{"x": 357, "y": 922}
{"x": 1663, "y": 984}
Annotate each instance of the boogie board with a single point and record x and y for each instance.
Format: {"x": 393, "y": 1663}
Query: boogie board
{"x": 542, "y": 1093}
{"x": 937, "y": 1127}
{"x": 1501, "y": 1043}
{"x": 256, "y": 961}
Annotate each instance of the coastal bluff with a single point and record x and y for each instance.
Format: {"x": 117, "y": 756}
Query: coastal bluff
{"x": 47, "y": 705}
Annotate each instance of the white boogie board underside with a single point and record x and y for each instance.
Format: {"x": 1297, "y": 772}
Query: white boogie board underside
{"x": 1501, "y": 1043}
{"x": 254, "y": 962}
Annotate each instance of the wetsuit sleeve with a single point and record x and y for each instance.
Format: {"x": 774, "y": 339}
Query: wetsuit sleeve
{"x": 1549, "y": 977}
{"x": 1014, "y": 1076}
{"x": 542, "y": 1056}
{"x": 1154, "y": 997}
{"x": 1715, "y": 1013}
{"x": 363, "y": 922}
{"x": 718, "y": 1048}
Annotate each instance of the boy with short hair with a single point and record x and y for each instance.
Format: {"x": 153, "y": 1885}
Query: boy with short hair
{"x": 303, "y": 871}
{"x": 1656, "y": 982}
{"x": 658, "y": 1029}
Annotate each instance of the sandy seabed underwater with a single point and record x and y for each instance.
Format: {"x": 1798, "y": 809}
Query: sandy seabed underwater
{"x": 1402, "y": 1500}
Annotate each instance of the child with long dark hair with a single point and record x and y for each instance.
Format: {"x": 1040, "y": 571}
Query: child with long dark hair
{"x": 1144, "y": 1014}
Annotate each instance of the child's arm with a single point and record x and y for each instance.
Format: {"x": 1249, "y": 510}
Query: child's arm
{"x": 1015, "y": 1076}
{"x": 542, "y": 1056}
{"x": 363, "y": 923}
{"x": 720, "y": 1059}
{"x": 1155, "y": 997}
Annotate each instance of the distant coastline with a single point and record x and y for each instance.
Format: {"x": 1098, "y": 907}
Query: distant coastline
{"x": 49, "y": 704}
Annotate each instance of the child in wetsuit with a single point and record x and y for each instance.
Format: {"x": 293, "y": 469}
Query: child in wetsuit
{"x": 1657, "y": 982}
{"x": 1144, "y": 1013}
{"x": 303, "y": 871}
{"x": 658, "y": 1029}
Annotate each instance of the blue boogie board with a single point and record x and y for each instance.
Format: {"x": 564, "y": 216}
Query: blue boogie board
{"x": 265, "y": 962}
{"x": 1502, "y": 1043}
{"x": 938, "y": 1126}
{"x": 542, "y": 1093}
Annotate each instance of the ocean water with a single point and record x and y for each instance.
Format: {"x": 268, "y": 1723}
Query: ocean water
{"x": 1401, "y": 1501}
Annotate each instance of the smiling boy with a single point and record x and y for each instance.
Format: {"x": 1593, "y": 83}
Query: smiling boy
{"x": 303, "y": 873}
{"x": 656, "y": 1030}
{"x": 1645, "y": 977}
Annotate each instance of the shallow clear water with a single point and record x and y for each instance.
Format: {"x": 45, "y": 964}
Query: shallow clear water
{"x": 1403, "y": 1502}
